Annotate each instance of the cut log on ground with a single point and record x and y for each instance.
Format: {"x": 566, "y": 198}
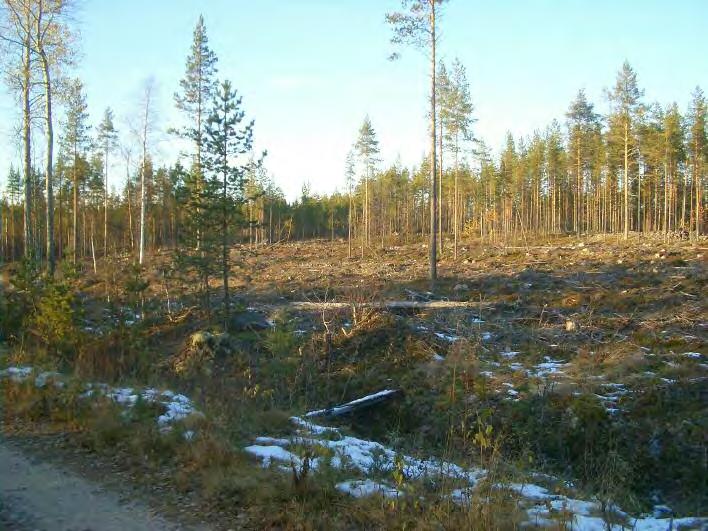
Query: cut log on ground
{"x": 354, "y": 405}
{"x": 387, "y": 305}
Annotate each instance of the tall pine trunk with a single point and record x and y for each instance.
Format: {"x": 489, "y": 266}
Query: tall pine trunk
{"x": 433, "y": 170}
{"x": 75, "y": 213}
{"x": 626, "y": 178}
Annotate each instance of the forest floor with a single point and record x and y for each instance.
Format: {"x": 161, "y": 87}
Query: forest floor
{"x": 579, "y": 370}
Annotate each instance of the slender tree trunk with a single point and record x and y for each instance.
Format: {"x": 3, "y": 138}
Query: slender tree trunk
{"x": 683, "y": 201}
{"x": 60, "y": 232}
{"x": 50, "y": 163}
{"x": 198, "y": 165}
{"x": 579, "y": 208}
{"x": 93, "y": 246}
{"x": 27, "y": 140}
{"x": 75, "y": 213}
{"x": 666, "y": 195}
{"x": 367, "y": 213}
{"x": 433, "y": 161}
{"x": 441, "y": 240}
{"x": 455, "y": 220}
{"x": 225, "y": 250}
{"x": 141, "y": 249}
{"x": 697, "y": 184}
{"x": 626, "y": 179}
{"x": 349, "y": 225}
{"x": 146, "y": 118}
{"x": 638, "y": 227}
{"x": 105, "y": 204}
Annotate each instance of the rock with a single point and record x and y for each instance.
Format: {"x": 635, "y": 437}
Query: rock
{"x": 248, "y": 321}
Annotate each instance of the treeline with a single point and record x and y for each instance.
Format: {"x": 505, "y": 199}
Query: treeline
{"x": 569, "y": 178}
{"x": 641, "y": 167}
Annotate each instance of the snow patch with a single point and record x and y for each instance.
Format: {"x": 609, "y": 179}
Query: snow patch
{"x": 178, "y": 407}
{"x": 693, "y": 355}
{"x": 446, "y": 337}
{"x": 270, "y": 453}
{"x": 366, "y": 487}
{"x": 548, "y": 367}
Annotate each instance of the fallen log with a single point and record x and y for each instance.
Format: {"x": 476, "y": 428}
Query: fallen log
{"x": 354, "y": 405}
{"x": 386, "y": 305}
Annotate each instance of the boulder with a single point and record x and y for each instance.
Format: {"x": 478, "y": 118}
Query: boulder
{"x": 248, "y": 321}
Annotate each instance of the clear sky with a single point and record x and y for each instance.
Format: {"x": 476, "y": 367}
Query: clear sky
{"x": 310, "y": 70}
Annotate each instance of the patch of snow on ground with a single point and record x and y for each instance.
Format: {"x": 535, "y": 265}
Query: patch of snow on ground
{"x": 530, "y": 491}
{"x": 548, "y": 367}
{"x": 178, "y": 407}
{"x": 364, "y": 456}
{"x": 43, "y": 377}
{"x": 269, "y": 453}
{"x": 366, "y": 487}
{"x": 369, "y": 457}
{"x": 694, "y": 355}
{"x": 446, "y": 337}
{"x": 16, "y": 374}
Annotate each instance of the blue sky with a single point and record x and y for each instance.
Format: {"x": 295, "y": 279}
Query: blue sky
{"x": 310, "y": 70}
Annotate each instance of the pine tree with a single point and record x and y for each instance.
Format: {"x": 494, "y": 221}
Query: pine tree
{"x": 349, "y": 174}
{"x": 698, "y": 151}
{"x": 582, "y": 123}
{"x": 75, "y": 141}
{"x": 417, "y": 26}
{"x": 443, "y": 98}
{"x": 625, "y": 98}
{"x": 674, "y": 157}
{"x": 108, "y": 140}
{"x": 458, "y": 124}
{"x": 228, "y": 139}
{"x": 14, "y": 192}
{"x": 198, "y": 87}
{"x": 367, "y": 147}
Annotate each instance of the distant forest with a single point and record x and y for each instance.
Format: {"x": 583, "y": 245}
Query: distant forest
{"x": 640, "y": 168}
